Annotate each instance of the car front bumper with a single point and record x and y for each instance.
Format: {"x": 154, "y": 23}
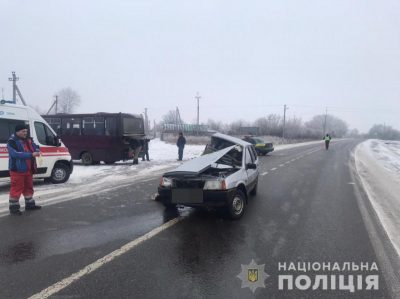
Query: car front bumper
{"x": 209, "y": 198}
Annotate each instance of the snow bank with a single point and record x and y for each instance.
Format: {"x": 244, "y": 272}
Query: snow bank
{"x": 378, "y": 165}
{"x": 86, "y": 180}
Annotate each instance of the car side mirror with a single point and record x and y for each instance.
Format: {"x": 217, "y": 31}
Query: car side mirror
{"x": 251, "y": 166}
{"x": 57, "y": 141}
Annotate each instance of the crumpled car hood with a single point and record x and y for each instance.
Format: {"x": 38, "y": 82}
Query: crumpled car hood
{"x": 199, "y": 165}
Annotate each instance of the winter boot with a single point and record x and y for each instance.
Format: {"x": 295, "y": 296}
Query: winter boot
{"x": 14, "y": 208}
{"x": 30, "y": 205}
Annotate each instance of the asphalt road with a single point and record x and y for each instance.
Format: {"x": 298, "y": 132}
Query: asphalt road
{"x": 306, "y": 210}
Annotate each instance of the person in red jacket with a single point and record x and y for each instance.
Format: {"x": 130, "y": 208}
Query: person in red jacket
{"x": 22, "y": 165}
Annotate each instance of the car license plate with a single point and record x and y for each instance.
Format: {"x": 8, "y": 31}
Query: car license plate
{"x": 187, "y": 196}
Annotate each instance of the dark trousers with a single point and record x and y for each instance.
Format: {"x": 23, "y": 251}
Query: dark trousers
{"x": 326, "y": 144}
{"x": 146, "y": 155}
{"x": 180, "y": 153}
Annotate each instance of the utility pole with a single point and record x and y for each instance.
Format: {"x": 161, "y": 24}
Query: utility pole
{"x": 55, "y": 103}
{"x": 284, "y": 120}
{"x": 326, "y": 115}
{"x": 198, "y": 97}
{"x": 16, "y": 90}
{"x": 14, "y": 79}
{"x": 2, "y": 93}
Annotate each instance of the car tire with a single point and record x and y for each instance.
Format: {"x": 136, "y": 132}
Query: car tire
{"x": 237, "y": 205}
{"x": 254, "y": 190}
{"x": 60, "y": 173}
{"x": 87, "y": 158}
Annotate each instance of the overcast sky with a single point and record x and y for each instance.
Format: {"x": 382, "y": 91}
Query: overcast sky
{"x": 246, "y": 58}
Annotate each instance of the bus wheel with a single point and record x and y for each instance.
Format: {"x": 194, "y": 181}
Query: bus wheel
{"x": 87, "y": 158}
{"x": 60, "y": 173}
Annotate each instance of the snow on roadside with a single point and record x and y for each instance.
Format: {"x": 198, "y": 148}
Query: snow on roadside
{"x": 86, "y": 180}
{"x": 161, "y": 155}
{"x": 378, "y": 165}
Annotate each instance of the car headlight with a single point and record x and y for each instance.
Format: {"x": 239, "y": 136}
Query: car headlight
{"x": 215, "y": 185}
{"x": 165, "y": 182}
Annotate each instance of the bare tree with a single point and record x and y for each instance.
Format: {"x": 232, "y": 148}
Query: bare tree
{"x": 68, "y": 100}
{"x": 384, "y": 132}
{"x": 334, "y": 125}
{"x": 172, "y": 117}
{"x": 215, "y": 125}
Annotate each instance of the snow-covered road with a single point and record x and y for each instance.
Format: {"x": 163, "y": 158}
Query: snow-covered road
{"x": 378, "y": 165}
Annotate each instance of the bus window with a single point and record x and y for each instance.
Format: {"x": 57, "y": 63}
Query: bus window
{"x": 111, "y": 126}
{"x": 93, "y": 126}
{"x": 44, "y": 135}
{"x": 133, "y": 125}
{"x": 55, "y": 123}
{"x": 71, "y": 126}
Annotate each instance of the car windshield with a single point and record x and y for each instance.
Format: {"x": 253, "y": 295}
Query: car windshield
{"x": 233, "y": 158}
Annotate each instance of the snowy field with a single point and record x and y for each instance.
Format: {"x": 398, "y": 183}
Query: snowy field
{"x": 378, "y": 165}
{"x": 97, "y": 179}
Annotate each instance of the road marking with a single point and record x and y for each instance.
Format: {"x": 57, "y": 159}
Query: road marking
{"x": 58, "y": 286}
{"x": 287, "y": 162}
{"x": 264, "y": 173}
{"x": 272, "y": 169}
{"x": 281, "y": 165}
{"x": 293, "y": 160}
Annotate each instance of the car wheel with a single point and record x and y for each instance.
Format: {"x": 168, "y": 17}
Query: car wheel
{"x": 237, "y": 205}
{"x": 87, "y": 158}
{"x": 254, "y": 191}
{"x": 60, "y": 173}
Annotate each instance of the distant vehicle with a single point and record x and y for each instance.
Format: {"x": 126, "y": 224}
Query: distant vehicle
{"x": 223, "y": 177}
{"x": 261, "y": 146}
{"x": 55, "y": 164}
{"x": 98, "y": 136}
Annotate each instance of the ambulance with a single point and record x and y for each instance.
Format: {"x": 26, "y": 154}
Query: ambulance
{"x": 55, "y": 163}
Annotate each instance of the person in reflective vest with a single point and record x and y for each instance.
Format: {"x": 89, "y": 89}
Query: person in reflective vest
{"x": 22, "y": 152}
{"x": 327, "y": 138}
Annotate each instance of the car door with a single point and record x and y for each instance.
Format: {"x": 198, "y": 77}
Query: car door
{"x": 252, "y": 174}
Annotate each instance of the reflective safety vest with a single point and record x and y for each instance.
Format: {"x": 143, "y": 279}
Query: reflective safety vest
{"x": 327, "y": 138}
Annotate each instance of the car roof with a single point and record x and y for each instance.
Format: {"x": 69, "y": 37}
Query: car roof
{"x": 231, "y": 139}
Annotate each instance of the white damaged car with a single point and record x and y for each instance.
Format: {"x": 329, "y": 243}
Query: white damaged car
{"x": 223, "y": 177}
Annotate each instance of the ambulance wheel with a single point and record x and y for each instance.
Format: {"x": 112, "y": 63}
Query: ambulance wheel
{"x": 87, "y": 158}
{"x": 60, "y": 173}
